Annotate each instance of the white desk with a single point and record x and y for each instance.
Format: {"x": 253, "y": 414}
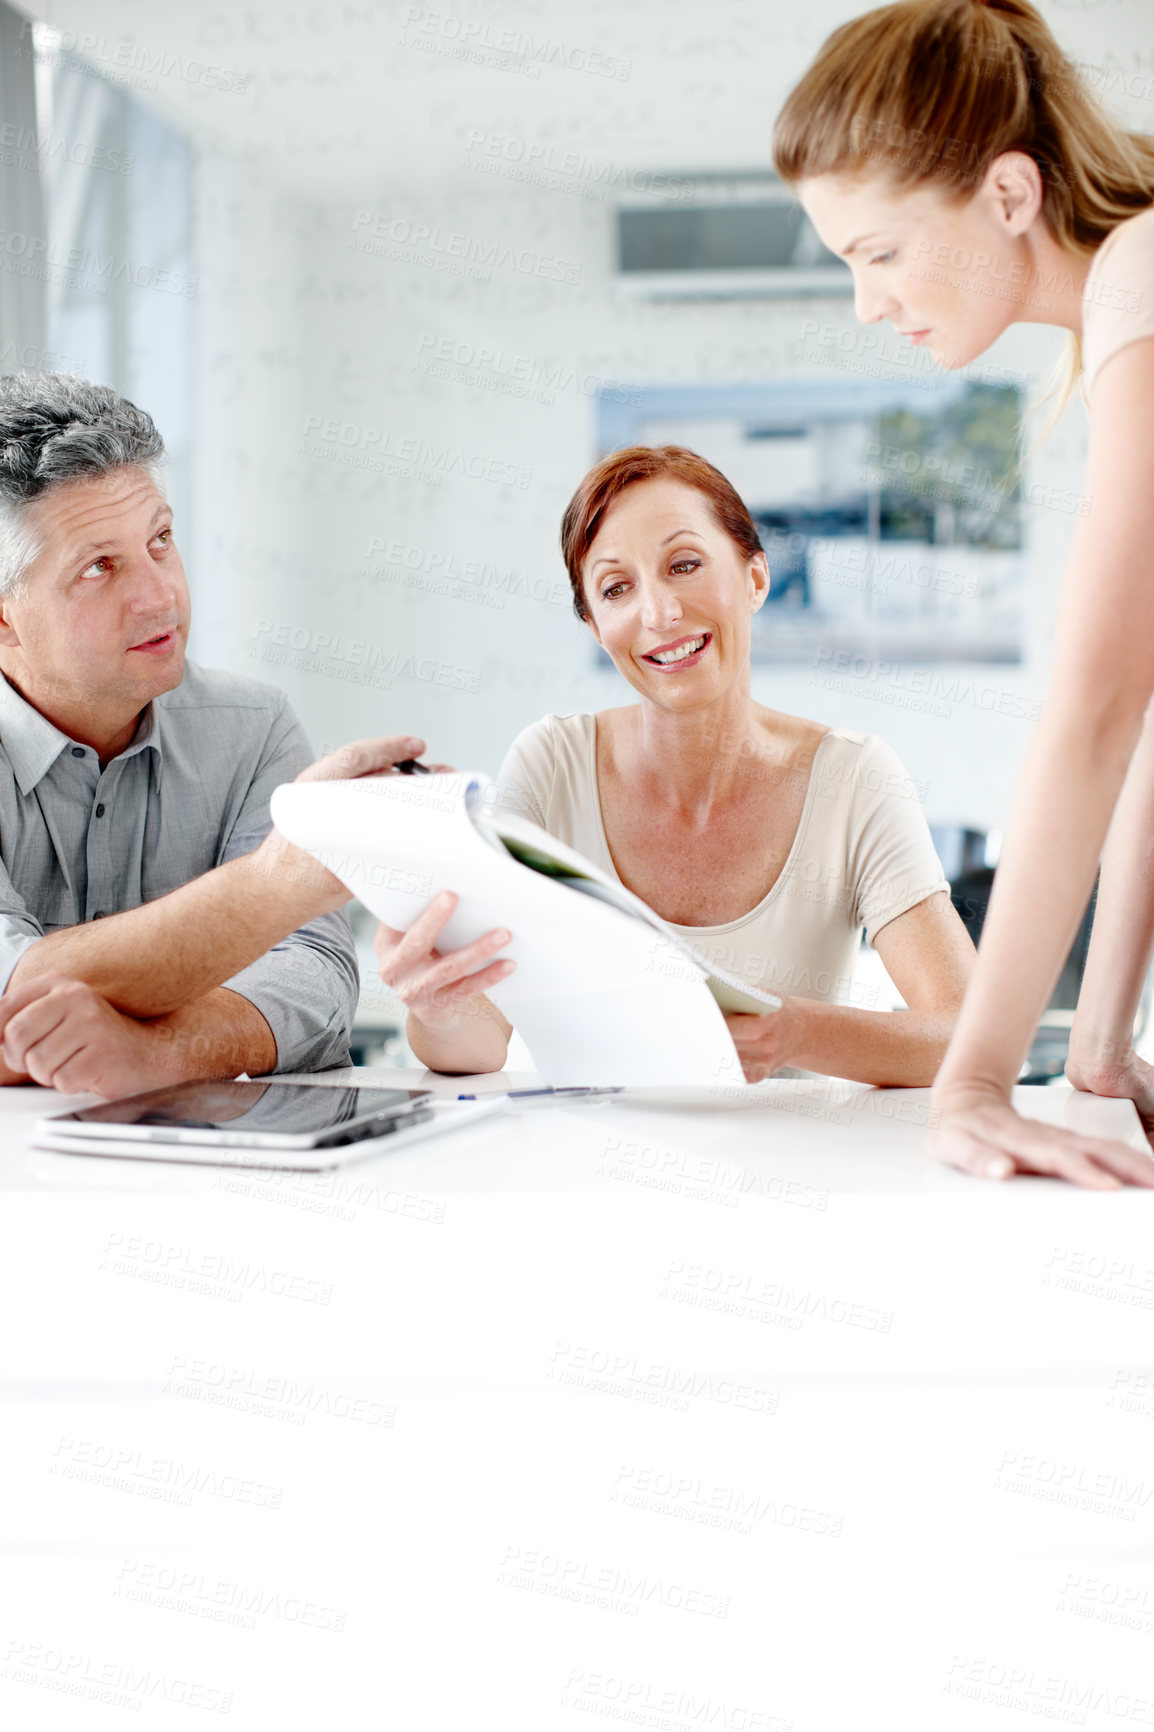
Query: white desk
{"x": 696, "y": 1416}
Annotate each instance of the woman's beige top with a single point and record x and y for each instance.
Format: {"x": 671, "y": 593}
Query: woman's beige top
{"x": 1118, "y": 296}
{"x": 862, "y": 854}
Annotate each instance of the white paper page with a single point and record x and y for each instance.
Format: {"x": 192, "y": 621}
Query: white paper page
{"x": 598, "y": 996}
{"x": 730, "y": 991}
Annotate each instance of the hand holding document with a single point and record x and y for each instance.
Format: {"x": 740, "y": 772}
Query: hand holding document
{"x": 602, "y": 992}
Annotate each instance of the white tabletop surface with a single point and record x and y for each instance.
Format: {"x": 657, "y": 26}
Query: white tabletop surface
{"x": 670, "y": 1412}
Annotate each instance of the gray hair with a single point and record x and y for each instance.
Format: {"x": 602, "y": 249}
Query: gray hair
{"x": 55, "y": 428}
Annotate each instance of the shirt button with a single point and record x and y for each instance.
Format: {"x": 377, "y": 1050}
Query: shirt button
{"x": 100, "y": 811}
{"x": 78, "y": 751}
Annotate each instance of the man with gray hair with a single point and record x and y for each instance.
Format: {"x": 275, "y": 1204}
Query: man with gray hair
{"x": 152, "y": 925}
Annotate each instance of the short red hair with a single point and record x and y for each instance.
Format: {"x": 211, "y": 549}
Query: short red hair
{"x": 607, "y": 480}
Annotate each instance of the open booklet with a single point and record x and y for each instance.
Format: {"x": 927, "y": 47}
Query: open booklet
{"x": 602, "y": 992}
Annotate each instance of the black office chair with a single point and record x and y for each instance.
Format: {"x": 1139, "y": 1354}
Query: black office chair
{"x": 970, "y": 895}
{"x": 965, "y": 857}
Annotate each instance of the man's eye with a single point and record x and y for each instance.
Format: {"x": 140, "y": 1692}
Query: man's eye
{"x": 98, "y": 568}
{"x": 882, "y": 259}
{"x": 164, "y": 538}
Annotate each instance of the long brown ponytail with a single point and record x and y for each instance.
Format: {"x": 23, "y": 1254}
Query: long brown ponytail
{"x": 936, "y": 89}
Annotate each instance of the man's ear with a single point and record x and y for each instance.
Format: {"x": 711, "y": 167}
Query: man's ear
{"x": 9, "y": 637}
{"x": 759, "y": 581}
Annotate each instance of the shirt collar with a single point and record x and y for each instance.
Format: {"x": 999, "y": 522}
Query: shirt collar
{"x": 32, "y": 743}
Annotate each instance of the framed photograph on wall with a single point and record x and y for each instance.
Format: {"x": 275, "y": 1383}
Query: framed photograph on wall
{"x": 890, "y": 511}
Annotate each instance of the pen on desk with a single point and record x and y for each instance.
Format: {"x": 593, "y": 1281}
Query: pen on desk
{"x": 555, "y": 1094}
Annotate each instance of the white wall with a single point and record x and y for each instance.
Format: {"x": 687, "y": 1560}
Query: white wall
{"x": 249, "y": 382}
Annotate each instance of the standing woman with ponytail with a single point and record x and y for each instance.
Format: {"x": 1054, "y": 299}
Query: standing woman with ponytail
{"x": 937, "y": 131}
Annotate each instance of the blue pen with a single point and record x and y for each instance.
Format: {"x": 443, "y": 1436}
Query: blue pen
{"x": 554, "y": 1094}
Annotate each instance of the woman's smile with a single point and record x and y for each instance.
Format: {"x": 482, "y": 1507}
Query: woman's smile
{"x": 683, "y": 652}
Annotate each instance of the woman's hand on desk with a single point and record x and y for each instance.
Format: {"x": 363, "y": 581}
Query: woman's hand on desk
{"x": 975, "y": 1128}
{"x": 1122, "y": 1077}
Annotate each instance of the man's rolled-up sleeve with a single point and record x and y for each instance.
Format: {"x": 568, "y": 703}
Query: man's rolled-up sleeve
{"x": 18, "y": 929}
{"x": 305, "y": 987}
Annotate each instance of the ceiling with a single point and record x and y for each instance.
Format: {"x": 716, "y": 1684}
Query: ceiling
{"x": 349, "y": 98}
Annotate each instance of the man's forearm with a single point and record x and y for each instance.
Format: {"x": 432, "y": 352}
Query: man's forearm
{"x": 152, "y": 960}
{"x": 889, "y": 1049}
{"x": 218, "y": 1035}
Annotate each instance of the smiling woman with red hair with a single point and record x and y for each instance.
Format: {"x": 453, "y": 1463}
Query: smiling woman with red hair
{"x": 767, "y": 842}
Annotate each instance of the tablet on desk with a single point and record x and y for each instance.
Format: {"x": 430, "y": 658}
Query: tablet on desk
{"x": 297, "y": 1126}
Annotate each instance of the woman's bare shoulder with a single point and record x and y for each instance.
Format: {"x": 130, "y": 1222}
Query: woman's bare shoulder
{"x": 795, "y": 736}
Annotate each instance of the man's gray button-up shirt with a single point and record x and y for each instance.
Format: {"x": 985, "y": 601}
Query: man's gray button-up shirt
{"x": 190, "y": 792}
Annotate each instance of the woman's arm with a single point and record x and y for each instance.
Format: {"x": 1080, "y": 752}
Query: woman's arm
{"x": 928, "y": 956}
{"x": 451, "y": 1025}
{"x": 1103, "y": 678}
{"x": 1102, "y": 1058}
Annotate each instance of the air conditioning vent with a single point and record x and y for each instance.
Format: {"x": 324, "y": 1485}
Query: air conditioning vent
{"x": 731, "y": 236}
